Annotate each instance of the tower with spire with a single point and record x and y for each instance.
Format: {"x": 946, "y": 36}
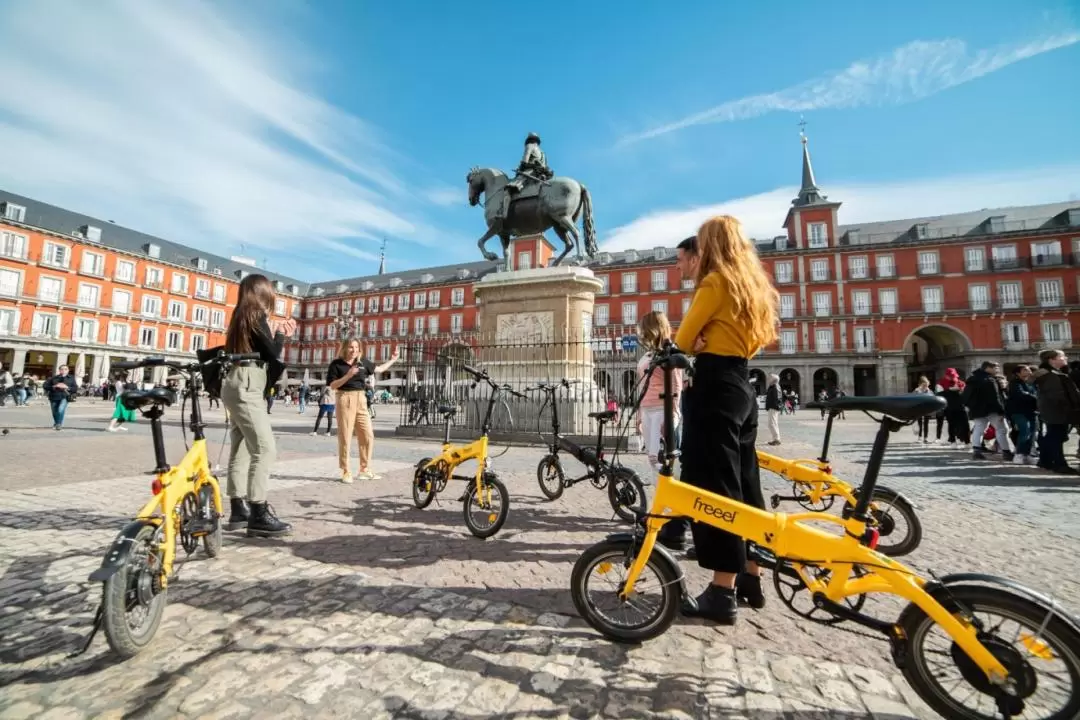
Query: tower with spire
{"x": 382, "y": 258}
{"x": 811, "y": 220}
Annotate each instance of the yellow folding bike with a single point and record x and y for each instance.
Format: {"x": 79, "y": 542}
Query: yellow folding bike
{"x": 485, "y": 502}
{"x": 816, "y": 489}
{"x": 186, "y": 506}
{"x": 971, "y": 645}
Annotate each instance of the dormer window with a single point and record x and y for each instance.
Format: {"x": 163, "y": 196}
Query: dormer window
{"x": 14, "y": 212}
{"x": 91, "y": 233}
{"x": 294, "y": 289}
{"x": 395, "y": 282}
{"x": 153, "y": 250}
{"x": 922, "y": 231}
{"x": 631, "y": 256}
{"x": 217, "y": 271}
{"x": 427, "y": 277}
{"x": 200, "y": 263}
{"x": 996, "y": 223}
{"x": 279, "y": 286}
{"x": 242, "y": 274}
{"x": 780, "y": 242}
{"x": 462, "y": 274}
{"x": 342, "y": 288}
{"x": 659, "y": 253}
{"x": 1074, "y": 216}
{"x": 604, "y": 258}
{"x": 319, "y": 292}
{"x": 367, "y": 285}
{"x": 853, "y": 237}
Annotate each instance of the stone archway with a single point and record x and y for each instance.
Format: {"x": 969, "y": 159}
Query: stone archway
{"x": 930, "y": 349}
{"x": 825, "y": 379}
{"x": 791, "y": 380}
{"x": 758, "y": 380}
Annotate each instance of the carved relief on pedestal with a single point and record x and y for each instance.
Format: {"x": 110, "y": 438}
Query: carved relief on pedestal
{"x": 525, "y": 327}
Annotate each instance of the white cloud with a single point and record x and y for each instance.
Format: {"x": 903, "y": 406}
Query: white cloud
{"x": 910, "y": 72}
{"x": 446, "y": 196}
{"x": 170, "y": 118}
{"x": 763, "y": 214}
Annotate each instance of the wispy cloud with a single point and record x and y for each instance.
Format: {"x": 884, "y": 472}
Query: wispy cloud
{"x": 910, "y": 72}
{"x": 177, "y": 120}
{"x": 763, "y": 213}
{"x": 446, "y": 196}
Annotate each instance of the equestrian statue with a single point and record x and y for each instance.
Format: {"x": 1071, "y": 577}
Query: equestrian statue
{"x": 533, "y": 201}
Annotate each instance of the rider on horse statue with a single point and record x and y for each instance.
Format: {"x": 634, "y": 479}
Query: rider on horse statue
{"x": 533, "y": 167}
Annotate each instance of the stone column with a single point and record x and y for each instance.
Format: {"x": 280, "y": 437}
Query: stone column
{"x": 18, "y": 361}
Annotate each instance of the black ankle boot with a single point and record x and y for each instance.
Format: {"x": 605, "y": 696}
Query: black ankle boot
{"x": 750, "y": 592}
{"x": 238, "y": 514}
{"x": 717, "y": 604}
{"x": 264, "y": 523}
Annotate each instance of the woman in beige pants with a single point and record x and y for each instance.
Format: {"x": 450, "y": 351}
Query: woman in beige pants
{"x": 348, "y": 375}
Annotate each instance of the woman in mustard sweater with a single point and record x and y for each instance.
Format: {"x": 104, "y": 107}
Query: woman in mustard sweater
{"x": 732, "y": 316}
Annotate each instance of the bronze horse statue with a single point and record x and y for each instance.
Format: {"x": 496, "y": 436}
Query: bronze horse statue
{"x": 556, "y": 203}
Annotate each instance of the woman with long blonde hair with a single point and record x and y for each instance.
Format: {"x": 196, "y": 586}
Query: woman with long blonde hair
{"x": 348, "y": 376}
{"x": 655, "y": 331}
{"x": 731, "y": 317}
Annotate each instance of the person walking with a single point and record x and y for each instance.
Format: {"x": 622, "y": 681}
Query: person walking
{"x": 734, "y": 312}
{"x": 655, "y": 331}
{"x": 7, "y": 383}
{"x": 985, "y": 400}
{"x": 326, "y": 407}
{"x": 1059, "y": 406}
{"x": 956, "y": 419}
{"x": 304, "y": 390}
{"x": 252, "y": 447}
{"x": 120, "y": 414}
{"x": 348, "y": 375}
{"x": 1021, "y": 407}
{"x": 923, "y": 388}
{"x": 774, "y": 405}
{"x": 59, "y": 389}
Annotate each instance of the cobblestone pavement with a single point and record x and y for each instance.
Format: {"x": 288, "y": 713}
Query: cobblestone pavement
{"x": 376, "y": 609}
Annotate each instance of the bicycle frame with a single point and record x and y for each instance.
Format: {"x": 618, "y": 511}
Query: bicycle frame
{"x": 455, "y": 455}
{"x": 787, "y": 537}
{"x": 595, "y": 471}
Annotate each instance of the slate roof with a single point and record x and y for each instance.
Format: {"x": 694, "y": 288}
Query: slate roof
{"x": 69, "y": 224}
{"x": 409, "y": 278}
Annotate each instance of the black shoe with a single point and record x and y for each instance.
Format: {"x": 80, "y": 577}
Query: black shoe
{"x": 238, "y": 514}
{"x": 749, "y": 591}
{"x": 978, "y": 455}
{"x": 264, "y": 523}
{"x": 716, "y": 604}
{"x": 691, "y": 552}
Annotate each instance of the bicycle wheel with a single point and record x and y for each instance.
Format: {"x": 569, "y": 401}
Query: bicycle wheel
{"x": 626, "y": 493}
{"x": 132, "y": 599}
{"x": 1041, "y": 654}
{"x": 549, "y": 474}
{"x": 424, "y": 485}
{"x": 484, "y": 516}
{"x": 899, "y": 528}
{"x": 213, "y": 539}
{"x": 657, "y": 593}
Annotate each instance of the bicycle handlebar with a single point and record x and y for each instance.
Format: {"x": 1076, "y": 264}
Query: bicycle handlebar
{"x": 184, "y": 367}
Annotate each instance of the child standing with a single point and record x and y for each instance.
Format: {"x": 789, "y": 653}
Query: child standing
{"x": 655, "y": 330}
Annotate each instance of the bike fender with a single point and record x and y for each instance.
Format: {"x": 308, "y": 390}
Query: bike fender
{"x": 1050, "y": 605}
{"x": 899, "y": 496}
{"x": 118, "y": 552}
{"x": 658, "y": 550}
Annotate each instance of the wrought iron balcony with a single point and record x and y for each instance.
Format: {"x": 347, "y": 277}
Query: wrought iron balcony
{"x": 1041, "y": 261}
{"x": 1006, "y": 263}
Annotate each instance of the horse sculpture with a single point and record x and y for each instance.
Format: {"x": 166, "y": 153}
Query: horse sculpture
{"x": 555, "y": 203}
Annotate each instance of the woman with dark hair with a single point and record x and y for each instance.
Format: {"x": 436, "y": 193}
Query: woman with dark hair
{"x": 1059, "y": 405}
{"x": 243, "y": 392}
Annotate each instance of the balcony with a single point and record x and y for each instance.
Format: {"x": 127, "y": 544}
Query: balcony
{"x": 820, "y": 277}
{"x": 927, "y": 269}
{"x": 858, "y": 274}
{"x": 1006, "y": 263}
{"x": 884, "y": 273}
{"x": 1009, "y": 305}
{"x": 154, "y": 285}
{"x": 1050, "y": 301}
{"x": 979, "y": 305}
{"x": 1047, "y": 261}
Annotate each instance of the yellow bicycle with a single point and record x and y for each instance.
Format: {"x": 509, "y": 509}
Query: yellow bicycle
{"x": 972, "y": 646}
{"x": 485, "y": 502}
{"x": 816, "y": 489}
{"x": 186, "y": 506}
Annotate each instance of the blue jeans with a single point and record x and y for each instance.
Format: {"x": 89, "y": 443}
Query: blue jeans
{"x": 59, "y": 407}
{"x": 1025, "y": 436}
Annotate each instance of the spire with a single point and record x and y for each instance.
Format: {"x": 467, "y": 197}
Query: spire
{"x": 382, "y": 258}
{"x": 809, "y": 193}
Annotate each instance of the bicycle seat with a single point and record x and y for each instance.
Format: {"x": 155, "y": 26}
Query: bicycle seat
{"x": 901, "y": 407}
{"x": 138, "y": 399}
{"x": 447, "y": 410}
{"x": 604, "y": 415}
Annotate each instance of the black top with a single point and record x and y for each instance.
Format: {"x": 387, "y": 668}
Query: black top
{"x": 269, "y": 349}
{"x": 56, "y": 393}
{"x": 339, "y": 368}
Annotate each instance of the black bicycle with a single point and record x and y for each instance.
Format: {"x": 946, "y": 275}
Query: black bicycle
{"x": 626, "y": 492}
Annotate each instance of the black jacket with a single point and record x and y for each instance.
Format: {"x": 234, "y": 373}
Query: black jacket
{"x": 983, "y": 396}
{"x": 57, "y": 394}
{"x": 1059, "y": 398}
{"x": 1022, "y": 399}
{"x": 772, "y": 397}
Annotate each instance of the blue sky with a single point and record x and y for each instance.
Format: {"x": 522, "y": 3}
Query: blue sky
{"x": 304, "y": 133}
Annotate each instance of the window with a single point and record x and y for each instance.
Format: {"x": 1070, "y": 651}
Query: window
{"x": 9, "y": 282}
{"x": 322, "y": 310}
{"x": 433, "y": 324}
{"x": 1048, "y": 293}
{"x": 358, "y": 305}
{"x": 318, "y": 356}
{"x": 372, "y": 327}
{"x": 629, "y": 313}
{"x": 177, "y": 311}
{"x": 121, "y": 301}
{"x": 685, "y": 306}
{"x": 1046, "y": 253}
{"x": 974, "y": 259}
{"x": 151, "y": 305}
{"x": 9, "y": 322}
{"x": 201, "y": 316}
{"x": 419, "y": 301}
{"x": 858, "y": 268}
{"x": 58, "y": 255}
{"x": 403, "y": 302}
{"x": 434, "y": 298}
{"x": 819, "y": 269}
{"x": 13, "y": 244}
{"x": 418, "y": 326}
{"x": 387, "y": 303}
{"x": 688, "y": 284}
{"x": 932, "y": 300}
{"x": 1009, "y": 297}
{"x": 524, "y": 260}
{"x": 887, "y": 301}
{"x": 93, "y": 263}
{"x": 979, "y": 297}
{"x": 50, "y": 289}
{"x": 45, "y": 325}
{"x": 220, "y": 293}
{"x": 860, "y": 302}
{"x": 154, "y": 278}
{"x": 822, "y": 304}
{"x": 864, "y": 339}
{"x": 309, "y": 332}
{"x": 14, "y": 212}
{"x": 629, "y": 283}
{"x": 1015, "y": 335}
{"x": 789, "y": 340}
{"x": 148, "y": 337}
{"x": 457, "y": 296}
{"x": 600, "y": 315}
{"x": 174, "y": 340}
{"x": 1056, "y": 332}
{"x": 819, "y": 235}
{"x": 84, "y": 330}
{"x": 118, "y": 334}
{"x": 370, "y": 352}
{"x": 384, "y": 353}
{"x": 403, "y": 326}
{"x": 320, "y": 333}
{"x": 787, "y": 306}
{"x": 125, "y": 271}
{"x": 1004, "y": 257}
{"x": 928, "y": 262}
{"x": 659, "y": 280}
{"x": 886, "y": 266}
{"x": 373, "y": 304}
{"x": 605, "y": 287}
{"x": 823, "y": 338}
{"x": 179, "y": 283}
{"x": 202, "y": 288}
{"x": 387, "y": 327}
{"x": 280, "y": 306}
{"x": 457, "y": 322}
{"x": 198, "y": 342}
{"x": 784, "y": 271}
{"x": 660, "y": 306}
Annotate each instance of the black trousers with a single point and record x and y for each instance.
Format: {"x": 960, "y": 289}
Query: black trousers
{"x": 718, "y": 454}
